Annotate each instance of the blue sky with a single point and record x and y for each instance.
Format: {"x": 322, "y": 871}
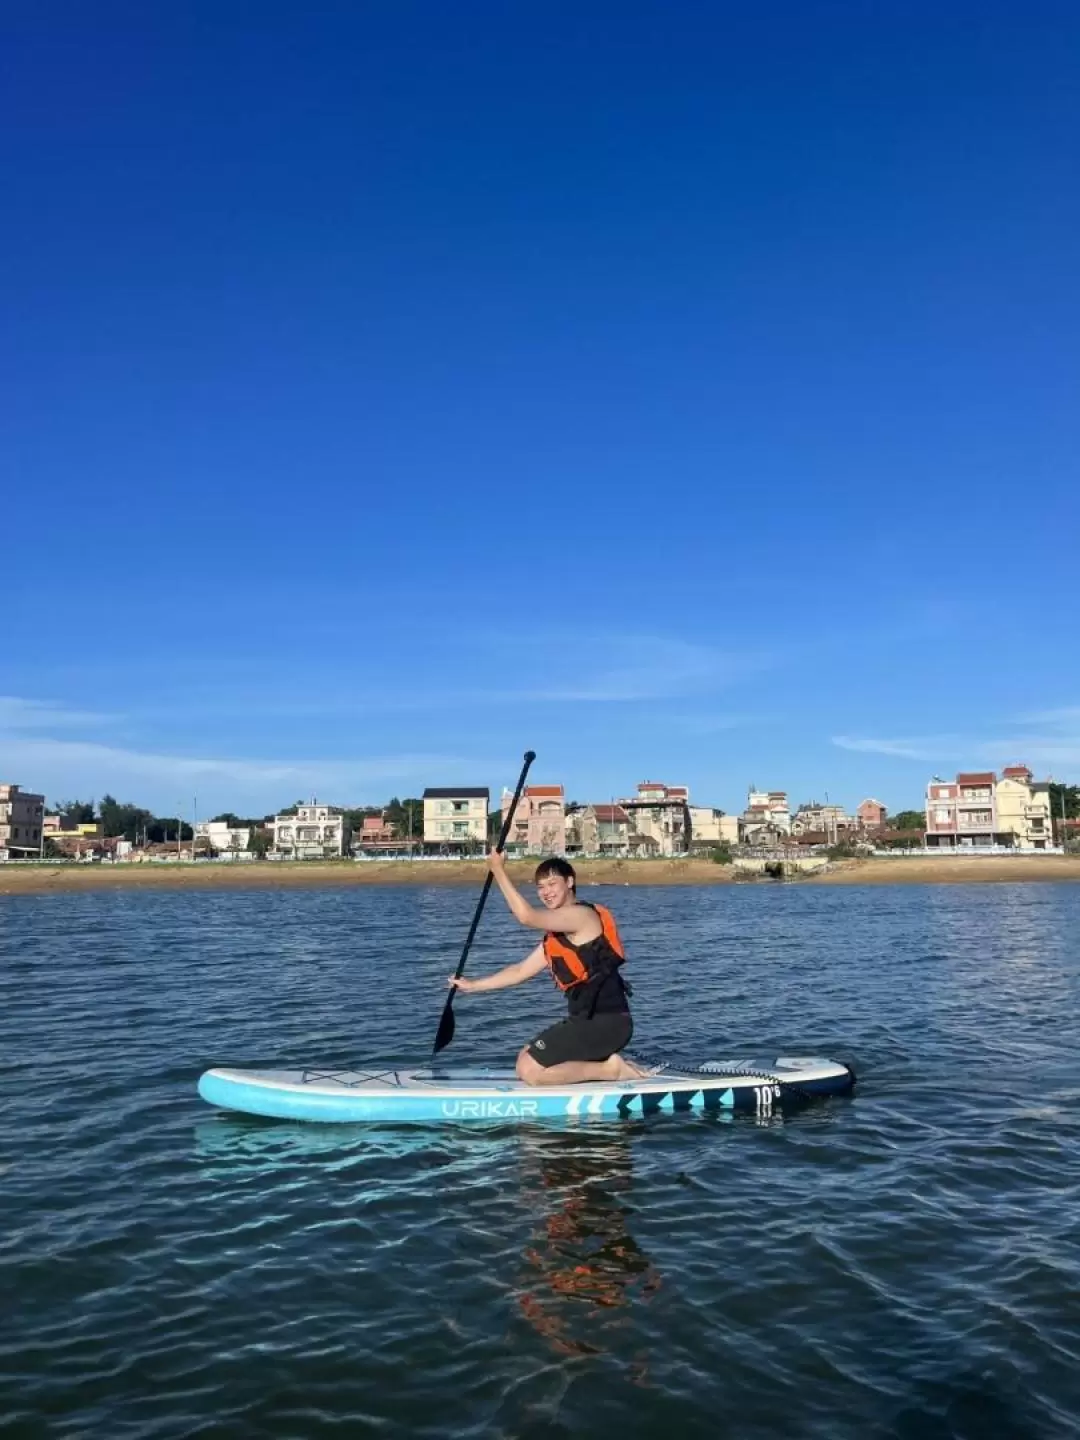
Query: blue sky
{"x": 684, "y": 392}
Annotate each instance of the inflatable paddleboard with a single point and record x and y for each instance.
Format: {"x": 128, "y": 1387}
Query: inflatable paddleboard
{"x": 426, "y": 1095}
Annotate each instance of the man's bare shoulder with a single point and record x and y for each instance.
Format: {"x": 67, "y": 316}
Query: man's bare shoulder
{"x": 575, "y": 917}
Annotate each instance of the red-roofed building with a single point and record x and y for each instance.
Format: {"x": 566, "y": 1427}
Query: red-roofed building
{"x": 602, "y": 830}
{"x": 376, "y": 834}
{"x": 960, "y": 812}
{"x": 539, "y": 826}
{"x": 871, "y": 815}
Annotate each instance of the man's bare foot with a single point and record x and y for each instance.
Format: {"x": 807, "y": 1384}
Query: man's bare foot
{"x": 620, "y": 1069}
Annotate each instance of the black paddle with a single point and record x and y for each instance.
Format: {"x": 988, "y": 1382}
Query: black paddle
{"x": 446, "y": 1024}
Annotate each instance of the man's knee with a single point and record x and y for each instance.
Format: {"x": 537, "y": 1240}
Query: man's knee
{"x": 527, "y": 1068}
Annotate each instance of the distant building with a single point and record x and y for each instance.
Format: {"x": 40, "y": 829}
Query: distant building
{"x": 871, "y": 815}
{"x": 977, "y": 810}
{"x": 830, "y": 820}
{"x": 221, "y": 838}
{"x": 1023, "y": 809}
{"x": 315, "y": 832}
{"x": 709, "y": 826}
{"x": 377, "y": 835}
{"x": 767, "y": 817}
{"x": 70, "y": 845}
{"x": 455, "y": 820}
{"x": 660, "y": 817}
{"x": 55, "y": 825}
{"x": 601, "y": 830}
{"x": 22, "y": 816}
{"x": 961, "y": 812}
{"x": 539, "y": 824}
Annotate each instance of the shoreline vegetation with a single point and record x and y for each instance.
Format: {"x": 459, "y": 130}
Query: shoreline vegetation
{"x": 30, "y": 878}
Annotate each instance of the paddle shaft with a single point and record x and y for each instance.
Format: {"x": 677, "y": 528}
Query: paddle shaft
{"x": 446, "y": 1024}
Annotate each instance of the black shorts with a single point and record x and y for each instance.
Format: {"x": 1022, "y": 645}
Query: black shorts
{"x": 583, "y": 1039}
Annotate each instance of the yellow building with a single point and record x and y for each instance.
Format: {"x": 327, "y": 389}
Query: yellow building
{"x": 57, "y": 826}
{"x": 456, "y": 820}
{"x": 709, "y": 826}
{"x": 1023, "y": 810}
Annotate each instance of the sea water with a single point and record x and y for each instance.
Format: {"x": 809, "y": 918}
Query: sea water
{"x": 903, "y": 1263}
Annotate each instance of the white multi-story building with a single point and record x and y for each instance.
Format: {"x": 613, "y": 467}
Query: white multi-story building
{"x": 21, "y": 818}
{"x": 315, "y": 832}
{"x": 767, "y": 817}
{"x": 222, "y": 838}
{"x": 456, "y": 819}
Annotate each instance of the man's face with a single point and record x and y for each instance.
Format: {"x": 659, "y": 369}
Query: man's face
{"x": 553, "y": 891}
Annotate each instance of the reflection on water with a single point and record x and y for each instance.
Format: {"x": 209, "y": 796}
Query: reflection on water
{"x": 570, "y": 1183}
{"x": 582, "y": 1262}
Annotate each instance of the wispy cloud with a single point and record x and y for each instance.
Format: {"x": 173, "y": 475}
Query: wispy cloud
{"x": 548, "y": 666}
{"x": 65, "y": 768}
{"x": 627, "y": 667}
{"x": 1056, "y": 746}
{"x": 906, "y": 749}
{"x": 19, "y": 714}
{"x": 1066, "y": 717}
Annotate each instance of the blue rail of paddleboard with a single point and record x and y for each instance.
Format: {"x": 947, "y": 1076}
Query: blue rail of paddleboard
{"x": 404, "y": 1105}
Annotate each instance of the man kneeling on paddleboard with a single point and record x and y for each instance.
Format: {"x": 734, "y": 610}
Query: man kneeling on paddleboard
{"x": 582, "y": 950}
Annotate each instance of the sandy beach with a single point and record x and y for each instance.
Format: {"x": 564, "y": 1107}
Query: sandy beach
{"x": 958, "y": 870}
{"x": 19, "y": 879}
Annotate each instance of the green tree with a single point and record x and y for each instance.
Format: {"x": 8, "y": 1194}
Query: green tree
{"x": 908, "y": 820}
{"x": 127, "y": 820}
{"x": 79, "y": 812}
{"x": 259, "y": 842}
{"x": 405, "y": 816}
{"x": 721, "y": 854}
{"x": 1067, "y": 796}
{"x": 162, "y": 831}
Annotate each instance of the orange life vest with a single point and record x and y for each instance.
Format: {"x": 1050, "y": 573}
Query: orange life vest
{"x": 572, "y": 964}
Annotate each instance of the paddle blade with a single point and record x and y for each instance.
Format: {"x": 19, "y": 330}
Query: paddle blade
{"x": 446, "y": 1025}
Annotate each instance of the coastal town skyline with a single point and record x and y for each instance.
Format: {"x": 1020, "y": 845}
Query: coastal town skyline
{"x": 972, "y": 812}
{"x": 191, "y": 805}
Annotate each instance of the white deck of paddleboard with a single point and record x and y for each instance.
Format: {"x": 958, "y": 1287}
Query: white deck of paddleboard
{"x": 469, "y": 1083}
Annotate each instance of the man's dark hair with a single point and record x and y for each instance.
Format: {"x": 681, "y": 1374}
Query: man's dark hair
{"x": 556, "y": 865}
